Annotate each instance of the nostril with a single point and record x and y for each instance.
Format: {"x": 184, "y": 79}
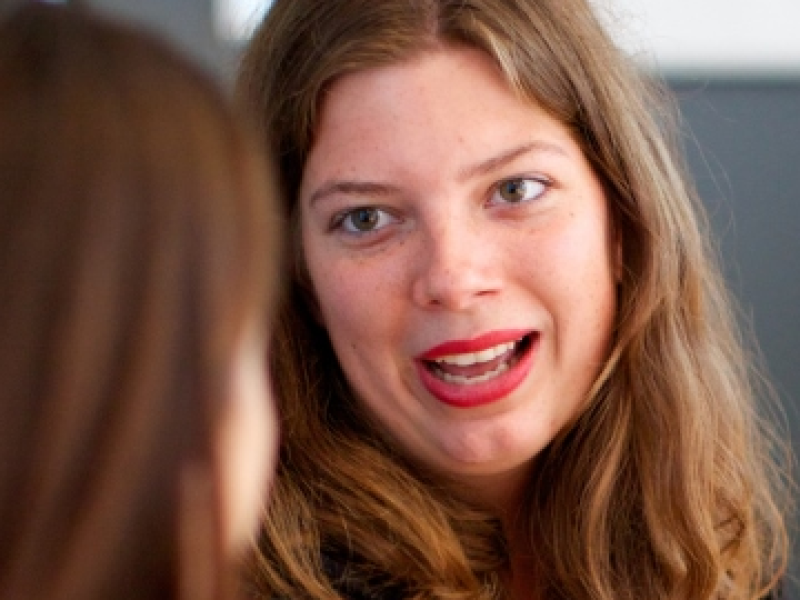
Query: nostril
{"x": 455, "y": 270}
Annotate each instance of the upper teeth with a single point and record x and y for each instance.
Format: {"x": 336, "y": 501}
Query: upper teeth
{"x": 473, "y": 358}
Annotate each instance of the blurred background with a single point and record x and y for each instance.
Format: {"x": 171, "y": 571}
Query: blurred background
{"x": 734, "y": 66}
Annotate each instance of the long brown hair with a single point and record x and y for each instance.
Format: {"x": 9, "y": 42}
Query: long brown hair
{"x": 666, "y": 487}
{"x": 135, "y": 246}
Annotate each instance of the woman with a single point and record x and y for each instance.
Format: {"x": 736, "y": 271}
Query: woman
{"x": 137, "y": 261}
{"x": 508, "y": 366}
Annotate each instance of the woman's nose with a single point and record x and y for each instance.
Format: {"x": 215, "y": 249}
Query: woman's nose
{"x": 457, "y": 267}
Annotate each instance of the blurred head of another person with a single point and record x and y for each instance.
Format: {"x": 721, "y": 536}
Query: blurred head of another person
{"x": 138, "y": 258}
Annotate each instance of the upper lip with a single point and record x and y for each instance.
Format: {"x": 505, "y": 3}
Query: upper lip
{"x": 476, "y": 344}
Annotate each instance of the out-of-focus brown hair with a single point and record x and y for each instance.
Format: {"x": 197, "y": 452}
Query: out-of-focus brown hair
{"x": 136, "y": 246}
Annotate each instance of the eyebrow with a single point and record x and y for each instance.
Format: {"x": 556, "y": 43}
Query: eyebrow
{"x": 360, "y": 188}
{"x": 507, "y": 156}
{"x": 371, "y": 188}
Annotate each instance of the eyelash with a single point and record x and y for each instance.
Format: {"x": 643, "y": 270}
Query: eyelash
{"x": 340, "y": 220}
{"x": 543, "y": 186}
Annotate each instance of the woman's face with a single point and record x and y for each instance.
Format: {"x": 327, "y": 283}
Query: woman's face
{"x": 461, "y": 252}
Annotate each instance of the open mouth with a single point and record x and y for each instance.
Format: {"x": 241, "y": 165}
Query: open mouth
{"x": 472, "y": 368}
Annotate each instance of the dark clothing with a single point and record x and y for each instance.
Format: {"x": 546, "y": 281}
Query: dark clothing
{"x": 347, "y": 582}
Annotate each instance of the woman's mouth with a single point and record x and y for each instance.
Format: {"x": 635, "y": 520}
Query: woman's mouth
{"x": 473, "y": 373}
{"x": 475, "y": 367}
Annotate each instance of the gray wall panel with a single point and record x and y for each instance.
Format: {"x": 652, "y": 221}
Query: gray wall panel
{"x": 743, "y": 144}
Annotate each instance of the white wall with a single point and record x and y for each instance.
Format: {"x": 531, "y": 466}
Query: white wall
{"x": 235, "y": 19}
{"x": 738, "y": 37}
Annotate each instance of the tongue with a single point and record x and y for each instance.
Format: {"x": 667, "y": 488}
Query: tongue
{"x": 476, "y": 369}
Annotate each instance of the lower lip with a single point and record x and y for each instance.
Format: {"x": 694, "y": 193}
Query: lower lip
{"x": 479, "y": 394}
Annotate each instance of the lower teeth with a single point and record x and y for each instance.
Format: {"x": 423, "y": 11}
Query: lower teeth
{"x": 501, "y": 368}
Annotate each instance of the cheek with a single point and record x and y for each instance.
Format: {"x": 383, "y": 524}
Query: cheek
{"x": 594, "y": 290}
{"x": 581, "y": 280}
{"x": 362, "y": 310}
{"x": 338, "y": 295}
{"x": 352, "y": 295}
{"x": 354, "y": 314}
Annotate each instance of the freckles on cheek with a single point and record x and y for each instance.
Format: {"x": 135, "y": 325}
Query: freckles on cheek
{"x": 330, "y": 294}
{"x": 346, "y": 308}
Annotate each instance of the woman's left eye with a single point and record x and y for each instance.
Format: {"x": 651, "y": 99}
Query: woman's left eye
{"x": 518, "y": 190}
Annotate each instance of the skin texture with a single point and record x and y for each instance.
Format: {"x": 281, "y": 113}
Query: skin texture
{"x": 248, "y": 443}
{"x": 428, "y": 143}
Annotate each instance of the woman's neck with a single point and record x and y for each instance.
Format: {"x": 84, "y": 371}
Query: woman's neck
{"x": 523, "y": 582}
{"x": 503, "y": 492}
{"x": 506, "y": 493}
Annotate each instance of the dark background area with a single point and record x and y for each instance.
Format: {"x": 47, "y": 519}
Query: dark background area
{"x": 742, "y": 139}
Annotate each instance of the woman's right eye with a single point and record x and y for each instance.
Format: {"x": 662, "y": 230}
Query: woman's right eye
{"x": 363, "y": 219}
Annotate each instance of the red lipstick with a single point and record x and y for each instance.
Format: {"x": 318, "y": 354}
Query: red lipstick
{"x": 482, "y": 342}
{"x": 467, "y": 392}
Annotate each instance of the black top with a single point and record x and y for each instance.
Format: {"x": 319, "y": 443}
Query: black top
{"x": 347, "y": 582}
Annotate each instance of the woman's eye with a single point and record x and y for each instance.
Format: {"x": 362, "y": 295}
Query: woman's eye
{"x": 515, "y": 191}
{"x": 364, "y": 219}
